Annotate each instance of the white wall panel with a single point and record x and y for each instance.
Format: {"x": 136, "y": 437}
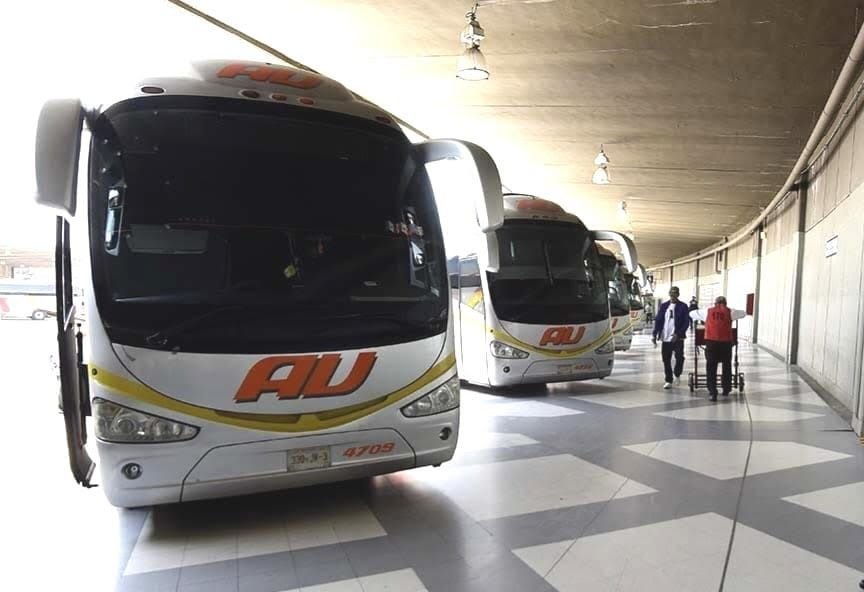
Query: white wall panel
{"x": 830, "y": 327}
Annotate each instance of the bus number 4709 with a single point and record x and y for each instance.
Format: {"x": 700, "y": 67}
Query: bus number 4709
{"x": 369, "y": 450}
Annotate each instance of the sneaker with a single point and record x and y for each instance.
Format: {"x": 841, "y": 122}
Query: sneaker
{"x": 677, "y": 381}
{"x": 667, "y": 385}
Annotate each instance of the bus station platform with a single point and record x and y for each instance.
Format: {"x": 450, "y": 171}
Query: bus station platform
{"x": 612, "y": 485}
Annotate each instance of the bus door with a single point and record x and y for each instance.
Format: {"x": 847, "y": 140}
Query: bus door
{"x": 472, "y": 318}
{"x": 58, "y": 144}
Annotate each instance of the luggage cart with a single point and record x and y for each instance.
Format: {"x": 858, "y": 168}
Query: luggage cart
{"x": 697, "y": 380}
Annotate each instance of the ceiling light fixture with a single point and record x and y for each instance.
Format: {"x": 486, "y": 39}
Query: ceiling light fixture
{"x": 472, "y": 63}
{"x": 601, "y": 174}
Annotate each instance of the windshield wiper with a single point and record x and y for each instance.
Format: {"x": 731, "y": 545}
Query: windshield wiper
{"x": 162, "y": 337}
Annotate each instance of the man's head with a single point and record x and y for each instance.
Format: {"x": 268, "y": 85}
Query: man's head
{"x": 674, "y": 293}
{"x": 720, "y": 301}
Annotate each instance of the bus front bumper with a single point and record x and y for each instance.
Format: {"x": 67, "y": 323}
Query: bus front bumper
{"x": 504, "y": 372}
{"x": 187, "y": 471}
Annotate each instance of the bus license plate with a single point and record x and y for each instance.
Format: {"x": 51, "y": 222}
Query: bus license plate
{"x": 305, "y": 459}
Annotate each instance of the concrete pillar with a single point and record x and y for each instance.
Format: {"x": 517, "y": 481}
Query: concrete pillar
{"x": 797, "y": 272}
{"x": 755, "y": 335}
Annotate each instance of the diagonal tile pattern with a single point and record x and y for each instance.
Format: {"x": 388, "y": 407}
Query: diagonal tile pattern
{"x": 686, "y": 554}
{"x": 725, "y": 459}
{"x": 600, "y": 485}
{"x": 845, "y": 502}
{"x": 532, "y": 485}
{"x": 733, "y": 410}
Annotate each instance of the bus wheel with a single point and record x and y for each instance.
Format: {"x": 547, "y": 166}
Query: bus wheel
{"x": 38, "y": 315}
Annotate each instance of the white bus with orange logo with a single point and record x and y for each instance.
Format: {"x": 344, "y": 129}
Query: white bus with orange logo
{"x": 637, "y": 300}
{"x": 532, "y": 299}
{"x": 266, "y": 281}
{"x": 619, "y": 299}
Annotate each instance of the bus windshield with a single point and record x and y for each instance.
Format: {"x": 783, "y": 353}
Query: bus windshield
{"x": 234, "y": 226}
{"x": 549, "y": 274}
{"x": 619, "y": 288}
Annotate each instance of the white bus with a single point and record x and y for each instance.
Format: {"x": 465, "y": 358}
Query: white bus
{"x": 638, "y": 316}
{"x": 532, "y": 299}
{"x": 619, "y": 299}
{"x": 265, "y": 280}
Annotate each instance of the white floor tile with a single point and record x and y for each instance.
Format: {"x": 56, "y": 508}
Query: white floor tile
{"x": 159, "y": 549}
{"x": 656, "y": 556}
{"x": 509, "y": 488}
{"x": 806, "y": 398}
{"x": 482, "y": 440}
{"x": 845, "y": 502}
{"x": 724, "y": 459}
{"x": 772, "y": 564}
{"x": 529, "y": 409}
{"x": 635, "y": 398}
{"x": 734, "y": 410}
{"x": 686, "y": 555}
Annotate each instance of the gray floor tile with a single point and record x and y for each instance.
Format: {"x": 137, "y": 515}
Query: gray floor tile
{"x": 270, "y": 564}
{"x": 317, "y": 555}
{"x": 224, "y": 585}
{"x": 268, "y": 582}
{"x": 206, "y": 572}
{"x": 323, "y": 573}
{"x": 160, "y": 581}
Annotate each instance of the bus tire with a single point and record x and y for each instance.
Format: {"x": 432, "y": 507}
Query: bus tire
{"x": 38, "y": 315}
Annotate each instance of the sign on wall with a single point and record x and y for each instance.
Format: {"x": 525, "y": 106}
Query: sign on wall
{"x": 832, "y": 246}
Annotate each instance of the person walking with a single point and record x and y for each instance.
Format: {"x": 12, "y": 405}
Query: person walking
{"x": 719, "y": 341}
{"x": 670, "y": 327}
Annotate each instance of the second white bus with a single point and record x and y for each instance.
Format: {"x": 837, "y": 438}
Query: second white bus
{"x": 530, "y": 304}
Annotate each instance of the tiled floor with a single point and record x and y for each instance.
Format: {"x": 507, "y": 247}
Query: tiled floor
{"x": 604, "y": 485}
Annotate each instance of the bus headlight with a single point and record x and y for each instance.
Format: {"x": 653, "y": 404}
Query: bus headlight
{"x": 606, "y": 348}
{"x": 502, "y": 350}
{"x": 116, "y": 423}
{"x": 444, "y": 398}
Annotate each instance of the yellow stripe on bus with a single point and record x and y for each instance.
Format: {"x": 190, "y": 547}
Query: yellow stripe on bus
{"x": 298, "y": 422}
{"x": 566, "y": 353}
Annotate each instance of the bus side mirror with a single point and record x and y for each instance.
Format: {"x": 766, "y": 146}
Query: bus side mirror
{"x": 628, "y": 249}
{"x": 58, "y": 145}
{"x": 488, "y": 199}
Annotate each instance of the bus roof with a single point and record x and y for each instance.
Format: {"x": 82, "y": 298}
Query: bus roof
{"x": 257, "y": 81}
{"x": 519, "y": 206}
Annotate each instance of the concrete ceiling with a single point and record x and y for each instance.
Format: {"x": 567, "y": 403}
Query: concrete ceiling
{"x": 702, "y": 105}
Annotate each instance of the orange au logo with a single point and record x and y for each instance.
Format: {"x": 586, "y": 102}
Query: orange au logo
{"x": 309, "y": 376}
{"x": 561, "y": 336}
{"x": 271, "y": 74}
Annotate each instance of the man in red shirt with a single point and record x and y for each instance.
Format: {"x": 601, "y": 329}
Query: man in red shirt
{"x": 718, "y": 342}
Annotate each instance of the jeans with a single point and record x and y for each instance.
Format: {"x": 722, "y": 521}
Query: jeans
{"x": 667, "y": 350}
{"x": 717, "y": 352}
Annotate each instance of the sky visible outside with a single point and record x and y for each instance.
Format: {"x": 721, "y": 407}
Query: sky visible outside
{"x": 90, "y": 49}
{"x": 99, "y": 49}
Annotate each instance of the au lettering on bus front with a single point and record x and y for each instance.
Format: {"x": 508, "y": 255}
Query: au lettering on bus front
{"x": 308, "y": 376}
